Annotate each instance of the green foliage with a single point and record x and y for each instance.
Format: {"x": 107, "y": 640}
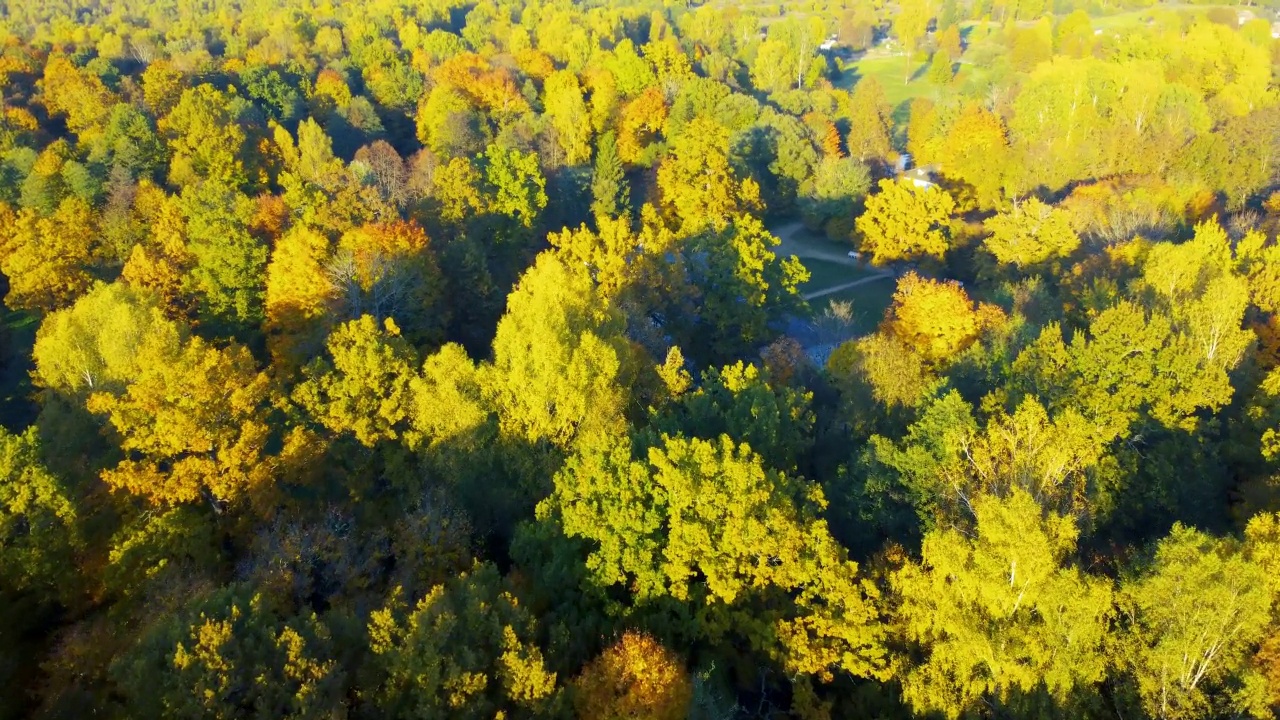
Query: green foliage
{"x": 230, "y": 655}
{"x": 609, "y": 190}
{"x": 704, "y": 523}
{"x": 40, "y": 533}
{"x": 1001, "y": 614}
{"x": 464, "y": 650}
{"x": 229, "y": 273}
{"x": 312, "y": 307}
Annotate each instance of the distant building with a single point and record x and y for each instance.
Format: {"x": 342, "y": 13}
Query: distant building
{"x": 828, "y": 43}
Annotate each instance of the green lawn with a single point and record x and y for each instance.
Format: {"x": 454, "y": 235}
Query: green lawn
{"x": 824, "y": 273}
{"x": 869, "y": 303}
{"x": 891, "y": 72}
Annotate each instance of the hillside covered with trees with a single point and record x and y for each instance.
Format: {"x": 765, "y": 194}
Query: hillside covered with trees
{"x": 615, "y": 359}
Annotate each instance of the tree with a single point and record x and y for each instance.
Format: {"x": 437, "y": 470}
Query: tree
{"x": 465, "y": 650}
{"x": 229, "y": 261}
{"x": 869, "y": 122}
{"x": 193, "y": 424}
{"x": 975, "y": 151}
{"x": 40, "y": 535}
{"x": 610, "y": 193}
{"x": 737, "y": 288}
{"x": 1030, "y": 234}
{"x": 162, "y": 87}
{"x": 1001, "y": 613}
{"x": 705, "y": 524}
{"x": 829, "y": 200}
{"x": 568, "y": 114}
{"x": 905, "y": 222}
{"x": 514, "y": 183}
{"x": 130, "y": 143}
{"x": 206, "y": 137}
{"x": 230, "y": 655}
{"x": 743, "y": 403}
{"x": 558, "y": 357}
{"x": 362, "y": 387}
{"x": 936, "y": 318}
{"x": 1129, "y": 368}
{"x": 909, "y": 25}
{"x": 1193, "y": 618}
{"x": 1203, "y": 292}
{"x": 639, "y": 121}
{"x": 699, "y": 189}
{"x": 47, "y": 259}
{"x": 77, "y": 94}
{"x": 95, "y": 344}
{"x": 299, "y": 293}
{"x": 939, "y": 72}
{"x": 390, "y": 270}
{"x": 635, "y": 677}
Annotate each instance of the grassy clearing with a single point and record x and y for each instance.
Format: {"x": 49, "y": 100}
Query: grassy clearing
{"x": 869, "y": 303}
{"x": 824, "y": 274}
{"x": 803, "y": 243}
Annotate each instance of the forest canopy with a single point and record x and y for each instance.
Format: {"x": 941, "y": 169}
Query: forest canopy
{"x": 624, "y": 359}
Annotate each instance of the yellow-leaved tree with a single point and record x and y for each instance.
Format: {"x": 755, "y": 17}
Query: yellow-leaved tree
{"x": 559, "y": 357}
{"x": 937, "y": 318}
{"x": 705, "y": 525}
{"x": 193, "y": 423}
{"x": 635, "y": 678}
{"x": 47, "y": 259}
{"x": 1002, "y": 614}
{"x": 905, "y": 222}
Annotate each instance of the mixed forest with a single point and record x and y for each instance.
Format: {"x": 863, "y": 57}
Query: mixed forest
{"x": 493, "y": 359}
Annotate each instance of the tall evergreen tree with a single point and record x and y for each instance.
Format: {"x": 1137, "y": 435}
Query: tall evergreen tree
{"x": 610, "y": 194}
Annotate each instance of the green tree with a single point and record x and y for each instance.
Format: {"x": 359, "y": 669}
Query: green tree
{"x": 610, "y": 193}
{"x": 362, "y": 387}
{"x": 228, "y": 276}
{"x": 1001, "y": 613}
{"x": 939, "y": 72}
{"x": 465, "y": 650}
{"x": 515, "y": 185}
{"x": 40, "y": 536}
{"x": 231, "y": 655}
{"x": 737, "y": 289}
{"x": 829, "y": 200}
{"x": 743, "y": 403}
{"x": 704, "y": 523}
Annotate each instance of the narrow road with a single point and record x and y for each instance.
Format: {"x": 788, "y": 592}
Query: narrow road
{"x": 790, "y": 245}
{"x": 846, "y": 286}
